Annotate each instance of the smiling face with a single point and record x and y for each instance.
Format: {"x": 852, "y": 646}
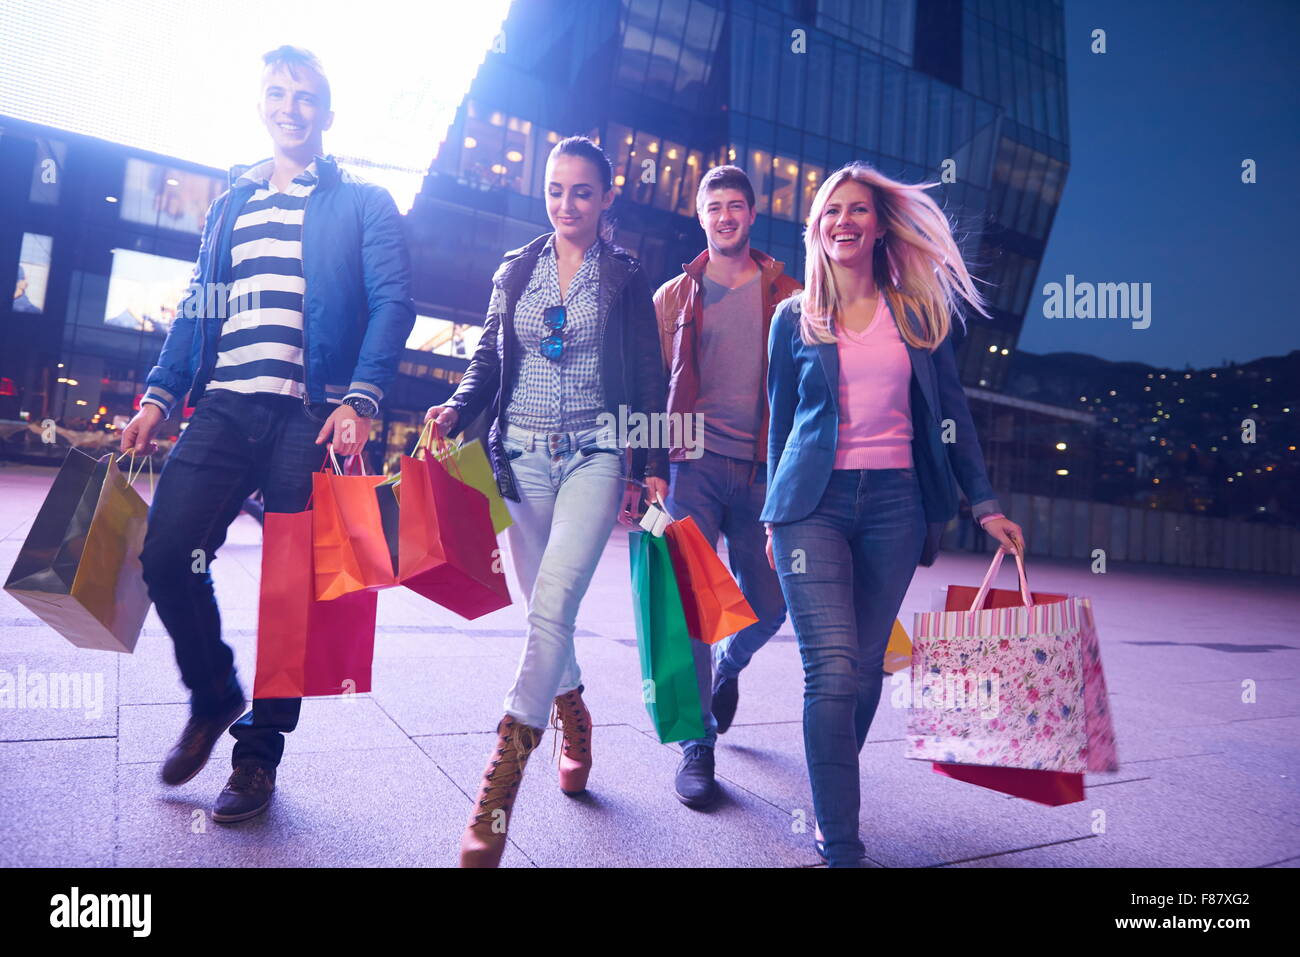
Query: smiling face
{"x": 295, "y": 110}
{"x": 726, "y": 217}
{"x": 848, "y": 226}
{"x": 575, "y": 198}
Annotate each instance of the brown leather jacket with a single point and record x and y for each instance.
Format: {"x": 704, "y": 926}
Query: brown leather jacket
{"x": 679, "y": 307}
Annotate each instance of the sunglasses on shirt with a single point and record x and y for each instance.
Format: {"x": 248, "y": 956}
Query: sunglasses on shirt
{"x": 552, "y": 346}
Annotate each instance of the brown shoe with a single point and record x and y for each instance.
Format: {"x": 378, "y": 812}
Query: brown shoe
{"x": 484, "y": 840}
{"x": 575, "y": 724}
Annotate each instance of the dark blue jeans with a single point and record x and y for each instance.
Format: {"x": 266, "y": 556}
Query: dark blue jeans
{"x": 234, "y": 445}
{"x": 844, "y": 570}
{"x": 725, "y": 496}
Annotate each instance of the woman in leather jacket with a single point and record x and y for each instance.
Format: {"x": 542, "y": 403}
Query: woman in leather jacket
{"x": 570, "y": 347}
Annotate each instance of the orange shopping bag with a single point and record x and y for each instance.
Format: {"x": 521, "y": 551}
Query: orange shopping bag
{"x": 898, "y": 655}
{"x": 350, "y": 552}
{"x": 447, "y": 549}
{"x": 714, "y": 605}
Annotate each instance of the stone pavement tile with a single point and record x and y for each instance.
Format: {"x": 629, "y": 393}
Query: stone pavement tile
{"x": 611, "y": 678}
{"x": 344, "y": 723}
{"x": 1188, "y": 814}
{"x": 1219, "y": 701}
{"x": 771, "y": 686}
{"x": 150, "y": 674}
{"x": 386, "y": 807}
{"x": 442, "y": 695}
{"x": 1151, "y": 712}
{"x": 65, "y": 692}
{"x": 416, "y": 642}
{"x": 910, "y": 816}
{"x": 629, "y": 816}
{"x": 57, "y": 803}
{"x": 1267, "y": 746}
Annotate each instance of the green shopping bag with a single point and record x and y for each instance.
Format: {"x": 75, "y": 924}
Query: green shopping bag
{"x": 667, "y": 665}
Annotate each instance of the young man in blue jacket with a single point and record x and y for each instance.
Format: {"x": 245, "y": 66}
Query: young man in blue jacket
{"x": 290, "y": 332}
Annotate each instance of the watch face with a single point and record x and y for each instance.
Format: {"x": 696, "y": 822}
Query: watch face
{"x": 363, "y": 407}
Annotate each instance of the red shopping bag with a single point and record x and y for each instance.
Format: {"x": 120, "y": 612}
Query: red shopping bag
{"x": 349, "y": 550}
{"x": 447, "y": 550}
{"x": 307, "y": 647}
{"x": 1052, "y": 788}
{"x": 711, "y": 599}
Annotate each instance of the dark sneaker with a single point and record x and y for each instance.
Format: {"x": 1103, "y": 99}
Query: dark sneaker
{"x": 695, "y": 785}
{"x": 247, "y": 794}
{"x": 726, "y": 695}
{"x": 192, "y": 751}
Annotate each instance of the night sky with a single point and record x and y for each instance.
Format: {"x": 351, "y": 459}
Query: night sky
{"x": 1159, "y": 126}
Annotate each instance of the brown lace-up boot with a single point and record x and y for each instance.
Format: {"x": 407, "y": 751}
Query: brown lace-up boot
{"x": 575, "y": 757}
{"x": 484, "y": 840}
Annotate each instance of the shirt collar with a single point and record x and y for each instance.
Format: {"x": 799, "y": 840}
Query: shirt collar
{"x": 592, "y": 251}
{"x": 260, "y": 175}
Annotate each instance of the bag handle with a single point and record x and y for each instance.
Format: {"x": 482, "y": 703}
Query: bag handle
{"x": 324, "y": 467}
{"x": 993, "y": 570}
{"x": 442, "y": 450}
{"x": 133, "y": 470}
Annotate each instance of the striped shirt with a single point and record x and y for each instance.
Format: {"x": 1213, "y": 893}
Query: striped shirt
{"x": 261, "y": 344}
{"x": 563, "y": 395}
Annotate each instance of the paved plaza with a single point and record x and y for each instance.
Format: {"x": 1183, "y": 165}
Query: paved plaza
{"x": 387, "y": 778}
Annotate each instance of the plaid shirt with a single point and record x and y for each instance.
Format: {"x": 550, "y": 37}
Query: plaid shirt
{"x": 563, "y": 395}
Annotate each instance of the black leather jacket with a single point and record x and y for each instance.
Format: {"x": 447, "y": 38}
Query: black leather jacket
{"x": 631, "y": 367}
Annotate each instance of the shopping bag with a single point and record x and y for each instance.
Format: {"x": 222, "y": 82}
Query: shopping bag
{"x": 1052, "y": 788}
{"x": 669, "y": 687}
{"x": 307, "y": 647}
{"x": 79, "y": 568}
{"x": 1012, "y": 687}
{"x": 447, "y": 550}
{"x": 349, "y": 550}
{"x": 711, "y": 599}
{"x": 468, "y": 463}
{"x": 898, "y": 654}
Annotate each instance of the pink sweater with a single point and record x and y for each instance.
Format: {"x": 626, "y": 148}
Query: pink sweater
{"x": 875, "y": 396}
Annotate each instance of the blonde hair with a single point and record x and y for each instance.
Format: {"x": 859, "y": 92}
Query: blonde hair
{"x": 917, "y": 266}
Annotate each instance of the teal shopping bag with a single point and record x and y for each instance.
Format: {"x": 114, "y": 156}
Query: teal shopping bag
{"x": 669, "y": 686}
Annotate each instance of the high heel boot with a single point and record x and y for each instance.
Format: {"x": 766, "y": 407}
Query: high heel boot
{"x": 575, "y": 725}
{"x": 484, "y": 840}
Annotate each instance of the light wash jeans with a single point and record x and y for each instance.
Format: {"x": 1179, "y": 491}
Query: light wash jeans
{"x": 570, "y": 488}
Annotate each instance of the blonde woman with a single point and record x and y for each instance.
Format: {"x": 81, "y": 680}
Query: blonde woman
{"x": 861, "y": 375}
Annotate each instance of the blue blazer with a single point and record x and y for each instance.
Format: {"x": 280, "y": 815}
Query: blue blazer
{"x": 803, "y": 392}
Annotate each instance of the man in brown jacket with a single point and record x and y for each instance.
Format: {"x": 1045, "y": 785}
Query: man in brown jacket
{"x": 713, "y": 328}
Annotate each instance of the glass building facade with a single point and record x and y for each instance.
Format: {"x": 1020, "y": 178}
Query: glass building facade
{"x": 967, "y": 93}
{"x": 925, "y": 90}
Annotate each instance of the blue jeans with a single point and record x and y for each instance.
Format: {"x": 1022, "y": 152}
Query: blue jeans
{"x": 844, "y": 570}
{"x": 725, "y": 495}
{"x": 570, "y": 488}
{"x": 234, "y": 445}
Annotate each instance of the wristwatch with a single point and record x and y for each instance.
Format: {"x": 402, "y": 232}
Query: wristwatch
{"x": 366, "y": 408}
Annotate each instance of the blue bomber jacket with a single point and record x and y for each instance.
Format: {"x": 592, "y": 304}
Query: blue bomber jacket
{"x": 357, "y": 310}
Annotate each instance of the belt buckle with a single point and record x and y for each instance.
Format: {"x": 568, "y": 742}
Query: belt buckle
{"x": 556, "y": 442}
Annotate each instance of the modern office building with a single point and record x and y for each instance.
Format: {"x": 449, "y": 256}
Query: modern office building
{"x": 967, "y": 93}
